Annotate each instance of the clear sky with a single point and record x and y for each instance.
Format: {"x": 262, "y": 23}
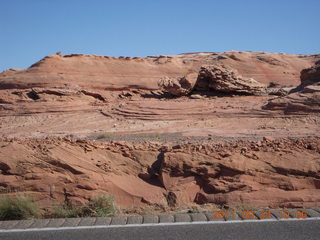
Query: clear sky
{"x": 32, "y": 29}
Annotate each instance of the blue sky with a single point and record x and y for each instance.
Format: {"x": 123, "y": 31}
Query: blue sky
{"x": 32, "y": 29}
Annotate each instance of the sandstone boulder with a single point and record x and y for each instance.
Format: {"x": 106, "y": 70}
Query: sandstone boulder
{"x": 179, "y": 86}
{"x": 225, "y": 79}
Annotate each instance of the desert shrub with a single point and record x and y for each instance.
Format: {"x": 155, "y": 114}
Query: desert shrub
{"x": 66, "y": 211}
{"x": 149, "y": 135}
{"x": 104, "y": 136}
{"x": 100, "y": 206}
{"x": 18, "y": 208}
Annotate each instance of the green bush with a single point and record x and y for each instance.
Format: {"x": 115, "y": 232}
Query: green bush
{"x": 66, "y": 211}
{"x": 101, "y": 206}
{"x": 18, "y": 208}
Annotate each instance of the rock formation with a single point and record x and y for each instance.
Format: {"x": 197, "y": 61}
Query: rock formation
{"x": 80, "y": 126}
{"x": 310, "y": 75}
{"x": 178, "y": 86}
{"x": 229, "y": 176}
{"x": 305, "y": 98}
{"x": 224, "y": 79}
{"x": 266, "y": 173}
{"x": 91, "y": 71}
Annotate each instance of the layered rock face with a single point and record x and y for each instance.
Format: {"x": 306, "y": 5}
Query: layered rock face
{"x": 224, "y": 79}
{"x": 95, "y": 72}
{"x": 268, "y": 173}
{"x": 231, "y": 177}
{"x": 302, "y": 102}
{"x": 103, "y": 72}
{"x": 305, "y": 98}
{"x": 149, "y": 149}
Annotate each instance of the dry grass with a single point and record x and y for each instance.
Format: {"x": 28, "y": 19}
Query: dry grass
{"x": 101, "y": 206}
{"x": 18, "y": 208}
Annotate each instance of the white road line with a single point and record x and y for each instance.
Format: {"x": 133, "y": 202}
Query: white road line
{"x": 153, "y": 225}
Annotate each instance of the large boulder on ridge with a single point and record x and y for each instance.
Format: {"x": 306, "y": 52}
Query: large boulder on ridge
{"x": 225, "y": 79}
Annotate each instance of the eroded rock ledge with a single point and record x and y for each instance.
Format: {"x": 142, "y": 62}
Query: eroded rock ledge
{"x": 303, "y": 99}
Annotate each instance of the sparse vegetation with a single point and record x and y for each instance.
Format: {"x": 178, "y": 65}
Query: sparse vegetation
{"x": 104, "y": 136}
{"x": 21, "y": 208}
{"x": 149, "y": 135}
{"x": 66, "y": 211}
{"x": 100, "y": 206}
{"x": 18, "y": 208}
{"x": 154, "y": 209}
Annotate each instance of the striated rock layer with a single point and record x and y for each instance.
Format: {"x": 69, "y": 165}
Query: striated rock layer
{"x": 304, "y": 98}
{"x": 202, "y": 148}
{"x": 123, "y": 73}
{"x": 267, "y": 173}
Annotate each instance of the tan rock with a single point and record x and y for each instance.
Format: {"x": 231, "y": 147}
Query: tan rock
{"x": 304, "y": 98}
{"x": 225, "y": 79}
{"x": 178, "y": 86}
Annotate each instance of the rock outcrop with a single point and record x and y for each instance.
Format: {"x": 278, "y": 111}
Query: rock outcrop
{"x": 178, "y": 86}
{"x": 310, "y": 75}
{"x": 224, "y": 79}
{"x": 147, "y": 149}
{"x": 267, "y": 173}
{"x": 303, "y": 99}
{"x": 104, "y": 72}
{"x": 247, "y": 174}
{"x": 302, "y": 102}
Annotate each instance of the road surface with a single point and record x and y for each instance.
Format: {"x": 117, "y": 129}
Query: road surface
{"x": 292, "y": 229}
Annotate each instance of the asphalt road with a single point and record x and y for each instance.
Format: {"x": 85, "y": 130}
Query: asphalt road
{"x": 298, "y": 229}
